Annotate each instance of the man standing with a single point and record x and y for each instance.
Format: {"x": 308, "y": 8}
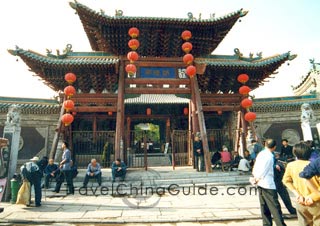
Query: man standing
{"x": 65, "y": 167}
{"x": 198, "y": 153}
{"x": 279, "y": 171}
{"x": 32, "y": 173}
{"x": 263, "y": 172}
{"x": 286, "y": 151}
{"x": 119, "y": 169}
{"x": 93, "y": 171}
{"x": 257, "y": 147}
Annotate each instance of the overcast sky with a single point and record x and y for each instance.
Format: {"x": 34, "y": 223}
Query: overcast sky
{"x": 271, "y": 27}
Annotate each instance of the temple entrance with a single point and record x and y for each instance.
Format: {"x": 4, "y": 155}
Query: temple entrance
{"x": 147, "y": 145}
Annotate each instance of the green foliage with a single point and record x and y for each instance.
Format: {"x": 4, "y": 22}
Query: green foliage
{"x": 153, "y": 133}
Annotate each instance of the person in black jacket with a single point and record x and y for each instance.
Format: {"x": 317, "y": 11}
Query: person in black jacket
{"x": 51, "y": 171}
{"x": 30, "y": 171}
{"x": 279, "y": 170}
{"x": 198, "y": 154}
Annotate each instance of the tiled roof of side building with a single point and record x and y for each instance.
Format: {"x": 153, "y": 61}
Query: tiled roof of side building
{"x": 285, "y": 104}
{"x": 30, "y": 105}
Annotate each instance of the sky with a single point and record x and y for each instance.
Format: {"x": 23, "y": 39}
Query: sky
{"x": 271, "y": 27}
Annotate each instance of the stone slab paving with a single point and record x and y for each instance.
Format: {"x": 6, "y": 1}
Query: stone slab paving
{"x": 79, "y": 209}
{"x": 208, "y": 205}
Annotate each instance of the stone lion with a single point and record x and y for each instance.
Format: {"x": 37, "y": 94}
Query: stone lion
{"x": 13, "y": 115}
{"x": 307, "y": 115}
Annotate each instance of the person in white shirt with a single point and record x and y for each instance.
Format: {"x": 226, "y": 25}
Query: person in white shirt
{"x": 263, "y": 172}
{"x": 244, "y": 164}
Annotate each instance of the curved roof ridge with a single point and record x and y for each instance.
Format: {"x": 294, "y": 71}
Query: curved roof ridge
{"x": 101, "y": 14}
{"x": 159, "y": 36}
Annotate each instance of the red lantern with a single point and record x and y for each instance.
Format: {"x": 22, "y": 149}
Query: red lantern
{"x": 148, "y": 111}
{"x": 68, "y": 105}
{"x": 69, "y": 91}
{"x": 246, "y": 103}
{"x": 67, "y": 119}
{"x": 133, "y": 32}
{"x": 186, "y": 111}
{"x": 219, "y": 112}
{"x": 132, "y": 56}
{"x": 188, "y": 59}
{"x": 186, "y": 35}
{"x": 133, "y": 44}
{"x": 191, "y": 71}
{"x": 131, "y": 69}
{"x": 74, "y": 113}
{"x": 244, "y": 90}
{"x": 70, "y": 78}
{"x": 186, "y": 47}
{"x": 243, "y": 78}
{"x": 250, "y": 116}
{"x": 110, "y": 113}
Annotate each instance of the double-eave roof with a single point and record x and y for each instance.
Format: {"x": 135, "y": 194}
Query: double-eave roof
{"x": 99, "y": 71}
{"x": 159, "y": 37}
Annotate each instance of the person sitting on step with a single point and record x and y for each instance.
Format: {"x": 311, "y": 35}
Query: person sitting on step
{"x": 51, "y": 171}
{"x": 93, "y": 171}
{"x": 118, "y": 169}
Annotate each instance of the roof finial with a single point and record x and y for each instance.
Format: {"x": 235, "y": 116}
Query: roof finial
{"x": 119, "y": 12}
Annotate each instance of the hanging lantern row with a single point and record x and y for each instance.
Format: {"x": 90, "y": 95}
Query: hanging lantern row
{"x": 132, "y": 56}
{"x": 68, "y": 104}
{"x": 70, "y": 78}
{"x": 133, "y": 32}
{"x": 246, "y": 102}
{"x": 69, "y": 91}
{"x": 185, "y": 111}
{"x": 243, "y": 78}
{"x": 188, "y": 58}
{"x": 67, "y": 119}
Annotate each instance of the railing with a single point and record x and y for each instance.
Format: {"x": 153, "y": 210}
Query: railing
{"x": 180, "y": 147}
{"x": 89, "y": 144}
{"x": 217, "y": 138}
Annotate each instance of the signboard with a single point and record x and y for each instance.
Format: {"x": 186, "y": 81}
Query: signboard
{"x": 157, "y": 72}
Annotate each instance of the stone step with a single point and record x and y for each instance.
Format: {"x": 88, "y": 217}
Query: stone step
{"x": 158, "y": 177}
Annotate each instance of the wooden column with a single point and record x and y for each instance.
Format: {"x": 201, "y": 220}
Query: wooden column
{"x": 57, "y": 133}
{"x": 128, "y": 140}
{"x": 190, "y": 146}
{"x": 237, "y": 139}
{"x": 145, "y": 153}
{"x": 244, "y": 130}
{"x": 94, "y": 128}
{"x": 202, "y": 125}
{"x": 120, "y": 113}
{"x": 194, "y": 116}
{"x": 168, "y": 130}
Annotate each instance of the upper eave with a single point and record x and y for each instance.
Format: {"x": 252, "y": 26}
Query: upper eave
{"x": 159, "y": 37}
